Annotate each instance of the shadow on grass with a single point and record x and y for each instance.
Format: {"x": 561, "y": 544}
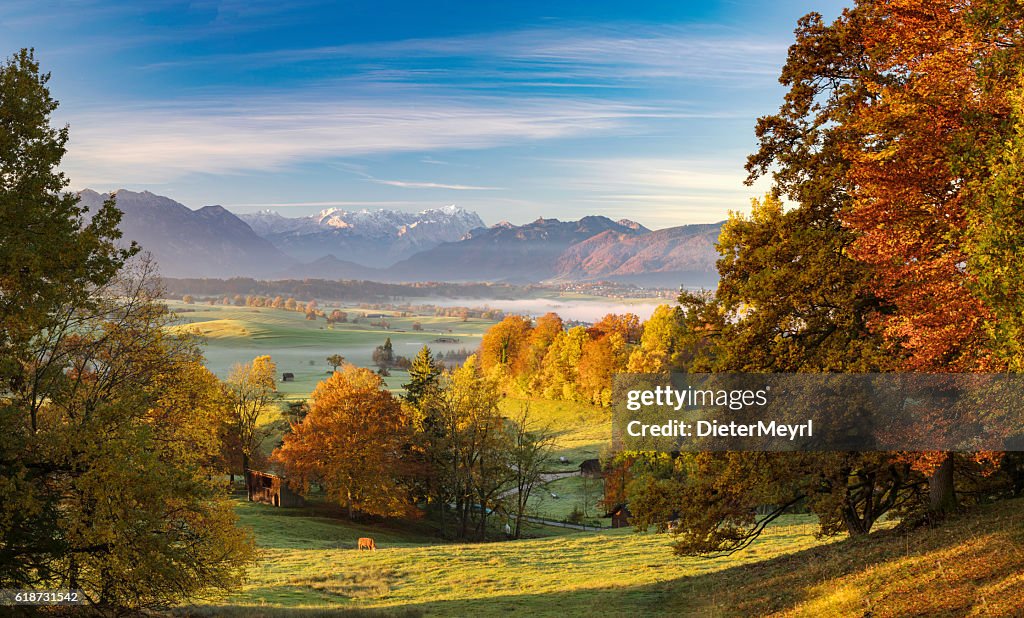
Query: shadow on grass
{"x": 971, "y": 565}
{"x": 324, "y": 526}
{"x": 271, "y": 612}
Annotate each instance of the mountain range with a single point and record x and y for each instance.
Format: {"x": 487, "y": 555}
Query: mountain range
{"x": 376, "y": 239}
{"x": 209, "y": 242}
{"x": 443, "y": 244}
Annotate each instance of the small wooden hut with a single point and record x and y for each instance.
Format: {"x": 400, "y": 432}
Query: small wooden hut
{"x": 270, "y": 489}
{"x": 620, "y": 516}
{"x": 591, "y": 468}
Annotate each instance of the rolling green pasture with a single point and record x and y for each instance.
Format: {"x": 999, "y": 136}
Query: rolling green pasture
{"x": 309, "y": 562}
{"x": 574, "y": 493}
{"x": 238, "y": 334}
{"x": 970, "y": 566}
{"x": 581, "y": 432}
{"x": 309, "y": 567}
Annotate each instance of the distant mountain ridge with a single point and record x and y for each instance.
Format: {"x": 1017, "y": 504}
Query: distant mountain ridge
{"x": 370, "y": 238}
{"x": 208, "y": 242}
{"x": 506, "y": 252}
{"x": 684, "y": 254}
{"x": 443, "y": 244}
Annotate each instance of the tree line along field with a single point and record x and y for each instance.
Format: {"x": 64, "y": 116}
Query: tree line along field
{"x": 975, "y": 566}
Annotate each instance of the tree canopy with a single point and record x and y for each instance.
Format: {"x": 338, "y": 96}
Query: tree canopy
{"x": 109, "y": 456}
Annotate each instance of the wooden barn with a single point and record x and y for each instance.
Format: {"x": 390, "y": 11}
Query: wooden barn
{"x": 591, "y": 468}
{"x": 620, "y": 516}
{"x": 288, "y": 377}
{"x": 270, "y": 489}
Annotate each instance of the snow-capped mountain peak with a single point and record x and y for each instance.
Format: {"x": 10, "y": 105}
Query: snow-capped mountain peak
{"x": 348, "y": 233}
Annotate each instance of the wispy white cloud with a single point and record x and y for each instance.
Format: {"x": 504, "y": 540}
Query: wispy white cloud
{"x": 153, "y": 144}
{"x": 547, "y": 57}
{"x": 361, "y": 171}
{"x": 404, "y": 184}
{"x": 655, "y": 176}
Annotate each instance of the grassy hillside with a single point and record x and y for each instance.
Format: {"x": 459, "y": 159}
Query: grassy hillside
{"x": 309, "y": 562}
{"x": 580, "y": 430}
{"x": 971, "y": 566}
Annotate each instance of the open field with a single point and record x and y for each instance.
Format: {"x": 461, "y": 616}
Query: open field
{"x": 574, "y": 493}
{"x": 300, "y": 346}
{"x": 310, "y": 562}
{"x": 973, "y": 565}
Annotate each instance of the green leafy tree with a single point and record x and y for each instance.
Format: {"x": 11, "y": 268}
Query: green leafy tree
{"x": 51, "y": 260}
{"x": 465, "y": 443}
{"x": 253, "y": 391}
{"x": 530, "y": 449}
{"x": 384, "y": 355}
{"x": 335, "y": 361}
{"x": 424, "y": 375}
{"x": 109, "y": 456}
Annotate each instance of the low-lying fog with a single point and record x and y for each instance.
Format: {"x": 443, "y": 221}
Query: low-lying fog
{"x": 567, "y": 308}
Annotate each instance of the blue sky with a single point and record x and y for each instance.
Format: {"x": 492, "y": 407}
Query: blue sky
{"x": 516, "y": 110}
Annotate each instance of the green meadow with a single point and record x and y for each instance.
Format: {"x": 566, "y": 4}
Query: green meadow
{"x": 310, "y": 562}
{"x": 299, "y": 346}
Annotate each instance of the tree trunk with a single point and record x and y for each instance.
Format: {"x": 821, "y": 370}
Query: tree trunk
{"x": 73, "y": 573}
{"x": 444, "y": 507}
{"x": 855, "y": 524}
{"x": 941, "y": 489}
{"x": 464, "y": 532}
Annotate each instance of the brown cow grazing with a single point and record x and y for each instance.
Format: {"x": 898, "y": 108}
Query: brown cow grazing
{"x": 367, "y": 543}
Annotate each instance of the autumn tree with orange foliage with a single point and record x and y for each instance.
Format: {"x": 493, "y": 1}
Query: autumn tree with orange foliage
{"x": 576, "y": 364}
{"x": 626, "y": 325}
{"x": 531, "y": 361}
{"x": 352, "y": 443}
{"x": 942, "y": 77}
{"x": 502, "y": 343}
{"x": 600, "y": 360}
{"x": 899, "y": 144}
